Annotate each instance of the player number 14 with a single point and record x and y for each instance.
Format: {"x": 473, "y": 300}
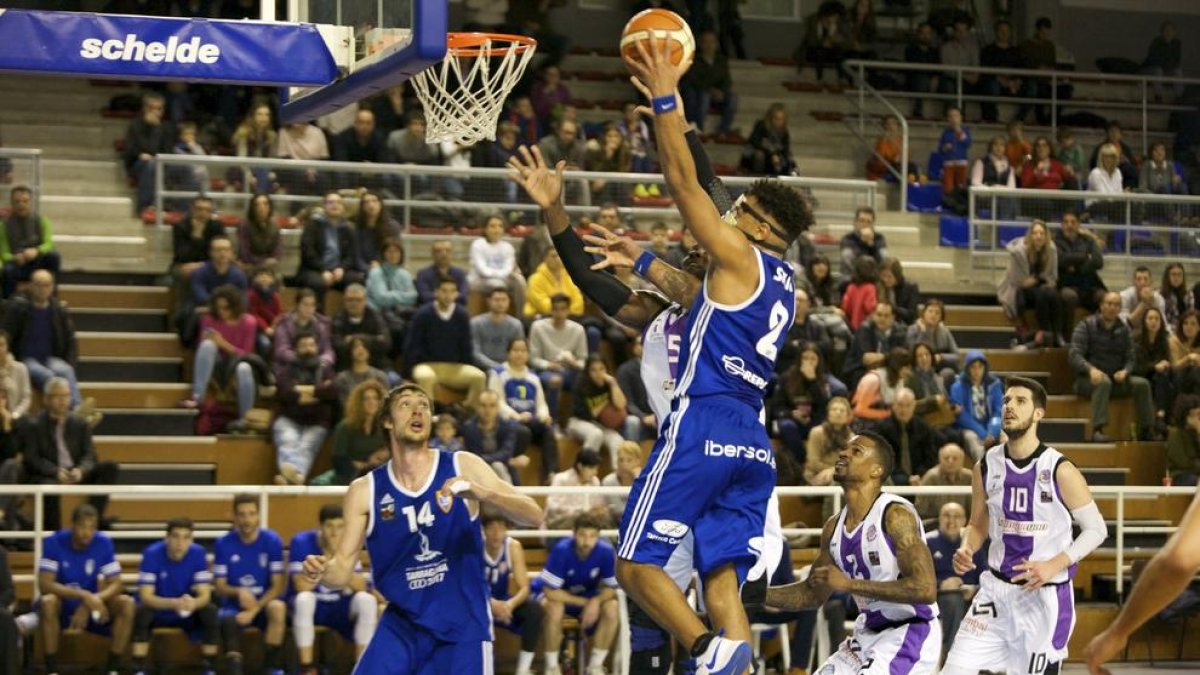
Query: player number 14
{"x": 422, "y": 519}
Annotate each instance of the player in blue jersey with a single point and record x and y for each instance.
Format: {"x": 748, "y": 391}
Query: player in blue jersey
{"x": 80, "y": 582}
{"x": 250, "y": 583}
{"x": 579, "y": 580}
{"x": 351, "y": 611}
{"x": 419, "y": 514}
{"x": 175, "y": 590}
{"x": 513, "y": 606}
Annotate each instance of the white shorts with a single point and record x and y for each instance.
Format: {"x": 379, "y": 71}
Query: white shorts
{"x": 908, "y": 649}
{"x": 1013, "y": 629}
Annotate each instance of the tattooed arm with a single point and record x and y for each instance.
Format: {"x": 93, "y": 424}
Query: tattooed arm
{"x": 917, "y": 582}
{"x": 805, "y": 594}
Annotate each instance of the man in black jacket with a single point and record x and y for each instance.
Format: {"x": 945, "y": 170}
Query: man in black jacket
{"x": 357, "y": 320}
{"x": 911, "y": 438}
{"x": 42, "y": 336}
{"x": 439, "y": 346}
{"x": 58, "y": 450}
{"x": 1080, "y": 259}
{"x": 327, "y": 250}
{"x": 148, "y": 136}
{"x": 872, "y": 342}
{"x": 1102, "y": 356}
{"x": 862, "y": 240}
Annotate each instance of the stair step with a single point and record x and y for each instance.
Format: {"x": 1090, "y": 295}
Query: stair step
{"x": 167, "y": 474}
{"x": 135, "y": 394}
{"x": 1063, "y": 430}
{"x": 128, "y": 511}
{"x": 92, "y": 343}
{"x": 115, "y": 297}
{"x": 75, "y": 208}
{"x": 90, "y": 319}
{"x": 1105, "y": 475}
{"x": 981, "y": 337}
{"x": 147, "y": 422}
{"x": 121, "y": 279}
{"x": 129, "y": 369}
{"x": 239, "y": 460}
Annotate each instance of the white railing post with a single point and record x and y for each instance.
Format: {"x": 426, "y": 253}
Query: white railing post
{"x": 39, "y": 528}
{"x": 1145, "y": 120}
{"x": 159, "y": 185}
{"x": 264, "y": 509}
{"x": 904, "y": 161}
{"x": 1121, "y": 545}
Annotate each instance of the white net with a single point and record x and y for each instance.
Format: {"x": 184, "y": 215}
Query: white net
{"x": 464, "y": 94}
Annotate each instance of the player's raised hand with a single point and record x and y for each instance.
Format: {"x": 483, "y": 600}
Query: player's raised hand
{"x": 314, "y": 568}
{"x": 1103, "y": 648}
{"x": 964, "y": 560}
{"x": 528, "y": 167}
{"x": 653, "y": 67}
{"x": 614, "y": 250}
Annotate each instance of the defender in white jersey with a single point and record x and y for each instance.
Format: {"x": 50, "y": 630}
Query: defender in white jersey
{"x": 1025, "y": 496}
{"x": 874, "y": 549}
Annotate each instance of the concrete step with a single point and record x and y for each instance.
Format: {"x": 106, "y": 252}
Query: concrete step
{"x": 20, "y": 83}
{"x": 147, "y": 422}
{"x": 120, "y": 320}
{"x": 115, "y": 395}
{"x": 115, "y": 297}
{"x": 122, "y": 251}
{"x": 239, "y": 460}
{"x": 1064, "y": 430}
{"x": 981, "y": 337}
{"x": 84, "y": 177}
{"x": 167, "y": 474}
{"x": 129, "y": 369}
{"x": 977, "y": 316}
{"x": 92, "y": 343}
{"x": 87, "y": 214}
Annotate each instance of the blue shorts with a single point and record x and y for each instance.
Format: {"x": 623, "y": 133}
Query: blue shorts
{"x": 401, "y": 648}
{"x": 711, "y": 472}
{"x": 68, "y": 610}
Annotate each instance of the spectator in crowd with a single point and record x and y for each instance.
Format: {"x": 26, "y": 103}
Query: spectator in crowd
{"x": 1183, "y": 441}
{"x": 533, "y": 249}
{"x": 492, "y": 333}
{"x": 392, "y": 292}
{"x": 662, "y": 247}
{"x": 826, "y": 441}
{"x": 549, "y": 281}
{"x": 860, "y": 295}
{"x": 637, "y": 137}
{"x": 805, "y": 330}
{"x": 1152, "y": 361}
{"x": 888, "y": 155}
{"x": 498, "y": 441}
{"x": 410, "y": 146}
{"x": 580, "y": 581}
{"x": 266, "y": 306}
{"x": 250, "y": 591}
{"x": 227, "y": 339}
{"x": 218, "y": 271}
{"x": 148, "y": 136}
{"x": 768, "y": 151}
{"x": 563, "y": 509}
{"x": 522, "y": 400}
{"x": 1102, "y": 356}
{"x": 1158, "y": 174}
{"x": 58, "y": 449}
{"x": 949, "y": 471}
{"x": 1000, "y": 54}
{"x": 961, "y": 50}
{"x": 608, "y": 153}
{"x": 863, "y": 240}
{"x": 1031, "y": 282}
{"x": 445, "y": 434}
{"x": 557, "y": 347}
{"x": 955, "y": 591}
{"x": 922, "y": 50}
{"x": 708, "y": 83}
{"x": 1185, "y": 352}
{"x": 825, "y": 297}
{"x": 1080, "y": 259}
{"x": 42, "y": 336}
{"x": 306, "y": 142}
{"x": 192, "y": 238}
{"x": 352, "y": 611}
{"x": 930, "y": 328}
{"x": 911, "y": 438}
{"x": 861, "y": 26}
{"x": 994, "y": 168}
{"x": 174, "y": 590}
{"x": 954, "y": 144}
{"x": 14, "y": 381}
{"x": 361, "y": 142}
{"x": 429, "y": 278}
{"x": 826, "y": 38}
{"x": 256, "y": 137}
{"x": 629, "y": 465}
{"x": 306, "y": 392}
{"x": 1139, "y": 297}
{"x": 1040, "y": 53}
{"x": 979, "y": 396}
{"x": 1126, "y": 161}
{"x": 1106, "y": 178}
{"x": 799, "y": 401}
{"x": 1176, "y": 295}
{"x": 372, "y": 226}
{"x": 357, "y": 320}
{"x": 26, "y": 243}
{"x": 1043, "y": 171}
{"x": 564, "y": 145}
{"x": 1017, "y": 148}
{"x": 303, "y": 318}
{"x": 878, "y": 388}
{"x": 80, "y": 583}
{"x": 438, "y": 348}
{"x": 522, "y": 116}
{"x": 928, "y": 383}
{"x": 549, "y": 95}
{"x": 599, "y": 416}
{"x": 904, "y": 295}
{"x": 327, "y": 250}
{"x": 637, "y": 401}
{"x": 357, "y": 369}
{"x": 504, "y": 568}
{"x": 494, "y": 262}
{"x": 359, "y": 443}
{"x": 872, "y": 341}
{"x": 1071, "y": 157}
{"x": 260, "y": 242}
{"x": 1163, "y": 59}
{"x": 389, "y": 107}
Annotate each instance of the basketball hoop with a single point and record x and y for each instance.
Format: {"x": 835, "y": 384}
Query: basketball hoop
{"x": 463, "y": 95}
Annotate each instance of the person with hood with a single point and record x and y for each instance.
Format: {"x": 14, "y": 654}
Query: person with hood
{"x": 980, "y": 397}
{"x": 1031, "y": 281}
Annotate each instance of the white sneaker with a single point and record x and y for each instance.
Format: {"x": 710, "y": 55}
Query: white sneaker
{"x": 724, "y": 657}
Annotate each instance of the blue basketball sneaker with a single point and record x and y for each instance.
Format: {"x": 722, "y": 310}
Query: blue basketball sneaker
{"x": 723, "y": 657}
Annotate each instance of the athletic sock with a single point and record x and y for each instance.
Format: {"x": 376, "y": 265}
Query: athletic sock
{"x": 273, "y": 657}
{"x": 524, "y": 662}
{"x": 210, "y": 662}
{"x": 597, "y": 659}
{"x": 551, "y": 660}
{"x": 139, "y": 664}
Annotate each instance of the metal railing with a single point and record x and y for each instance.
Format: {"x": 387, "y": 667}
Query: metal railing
{"x": 218, "y": 492}
{"x": 858, "y": 101}
{"x": 1137, "y": 227}
{"x": 22, "y": 166}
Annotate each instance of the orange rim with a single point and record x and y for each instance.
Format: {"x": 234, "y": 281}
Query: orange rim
{"x": 471, "y": 44}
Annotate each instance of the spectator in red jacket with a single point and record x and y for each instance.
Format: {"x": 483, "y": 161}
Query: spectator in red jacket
{"x": 859, "y": 298}
{"x": 266, "y": 307}
{"x": 1043, "y": 172}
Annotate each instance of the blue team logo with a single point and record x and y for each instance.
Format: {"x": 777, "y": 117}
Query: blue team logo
{"x": 387, "y": 507}
{"x": 445, "y": 500}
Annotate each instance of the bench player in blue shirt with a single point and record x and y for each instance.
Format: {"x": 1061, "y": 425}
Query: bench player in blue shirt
{"x": 419, "y": 514}
{"x": 250, "y": 583}
{"x": 175, "y": 590}
{"x": 514, "y": 606}
{"x": 351, "y": 611}
{"x": 579, "y": 580}
{"x": 80, "y": 582}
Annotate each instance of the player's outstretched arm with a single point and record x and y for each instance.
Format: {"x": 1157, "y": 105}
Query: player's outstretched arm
{"x": 336, "y": 571}
{"x": 808, "y": 593}
{"x": 975, "y": 533}
{"x": 1166, "y": 575}
{"x": 485, "y": 486}
{"x": 917, "y": 582}
{"x": 616, "y": 250}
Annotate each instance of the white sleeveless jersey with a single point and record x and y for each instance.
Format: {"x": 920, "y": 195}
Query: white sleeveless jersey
{"x": 868, "y": 552}
{"x": 661, "y": 341}
{"x": 1027, "y": 519}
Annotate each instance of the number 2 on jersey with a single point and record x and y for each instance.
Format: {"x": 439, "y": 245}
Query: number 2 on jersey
{"x": 766, "y": 345}
{"x": 422, "y": 519}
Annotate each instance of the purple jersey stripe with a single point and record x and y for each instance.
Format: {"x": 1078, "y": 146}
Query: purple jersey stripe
{"x": 1066, "y": 615}
{"x": 909, "y": 654}
{"x": 1016, "y": 503}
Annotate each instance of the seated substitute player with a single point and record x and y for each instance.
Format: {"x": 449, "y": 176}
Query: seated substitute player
{"x": 874, "y": 549}
{"x": 517, "y": 611}
{"x": 175, "y": 590}
{"x": 248, "y": 577}
{"x": 579, "y": 579}
{"x": 80, "y": 582}
{"x": 352, "y": 611}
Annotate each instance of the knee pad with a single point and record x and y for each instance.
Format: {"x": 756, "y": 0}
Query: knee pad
{"x": 365, "y": 609}
{"x": 304, "y": 606}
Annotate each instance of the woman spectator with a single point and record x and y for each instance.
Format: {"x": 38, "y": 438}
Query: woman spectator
{"x": 260, "y": 243}
{"x": 876, "y": 390}
{"x": 302, "y": 319}
{"x": 1178, "y": 297}
{"x": 859, "y": 297}
{"x": 826, "y": 441}
{"x": 769, "y": 148}
{"x": 1031, "y": 282}
{"x": 360, "y": 371}
{"x": 227, "y": 338}
{"x": 1153, "y": 362}
{"x": 14, "y": 379}
{"x": 191, "y": 239}
{"x": 1106, "y": 179}
{"x": 256, "y": 137}
{"x": 266, "y": 306}
{"x": 821, "y": 287}
{"x": 1183, "y": 441}
{"x": 629, "y": 465}
{"x": 359, "y": 443}
{"x": 392, "y": 292}
{"x": 799, "y": 401}
{"x": 994, "y": 167}
{"x": 1158, "y": 174}
{"x": 1185, "y": 353}
{"x": 494, "y": 263}
{"x": 862, "y": 31}
{"x": 930, "y": 328}
{"x": 549, "y": 95}
{"x": 1043, "y": 171}
{"x": 904, "y": 295}
{"x": 609, "y": 153}
{"x": 599, "y": 414}
{"x": 373, "y": 226}
{"x": 928, "y": 385}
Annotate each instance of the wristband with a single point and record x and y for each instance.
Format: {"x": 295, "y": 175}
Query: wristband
{"x": 642, "y": 265}
{"x": 664, "y": 104}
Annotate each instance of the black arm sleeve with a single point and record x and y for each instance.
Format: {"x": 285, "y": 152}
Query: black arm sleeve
{"x": 603, "y": 289}
{"x": 709, "y": 180}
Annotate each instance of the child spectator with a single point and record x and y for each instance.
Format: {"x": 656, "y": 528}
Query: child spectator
{"x": 1071, "y": 156}
{"x": 599, "y": 414}
{"x": 445, "y": 434}
{"x": 522, "y": 400}
{"x": 266, "y": 307}
{"x": 859, "y": 298}
{"x": 494, "y": 263}
{"x": 953, "y": 145}
{"x": 195, "y": 178}
{"x": 1017, "y": 148}
{"x": 889, "y": 149}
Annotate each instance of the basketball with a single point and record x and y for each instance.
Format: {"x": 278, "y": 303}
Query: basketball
{"x": 659, "y": 24}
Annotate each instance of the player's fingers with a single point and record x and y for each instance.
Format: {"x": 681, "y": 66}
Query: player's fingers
{"x": 642, "y": 88}
{"x": 538, "y": 160}
{"x": 529, "y": 160}
{"x": 560, "y": 167}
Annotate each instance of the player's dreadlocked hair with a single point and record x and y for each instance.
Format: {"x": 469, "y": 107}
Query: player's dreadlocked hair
{"x": 790, "y": 209}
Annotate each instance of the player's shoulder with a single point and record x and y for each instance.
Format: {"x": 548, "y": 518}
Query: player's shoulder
{"x": 564, "y": 545}
{"x": 195, "y": 552}
{"x": 605, "y": 549}
{"x": 304, "y": 538}
{"x": 155, "y": 552}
